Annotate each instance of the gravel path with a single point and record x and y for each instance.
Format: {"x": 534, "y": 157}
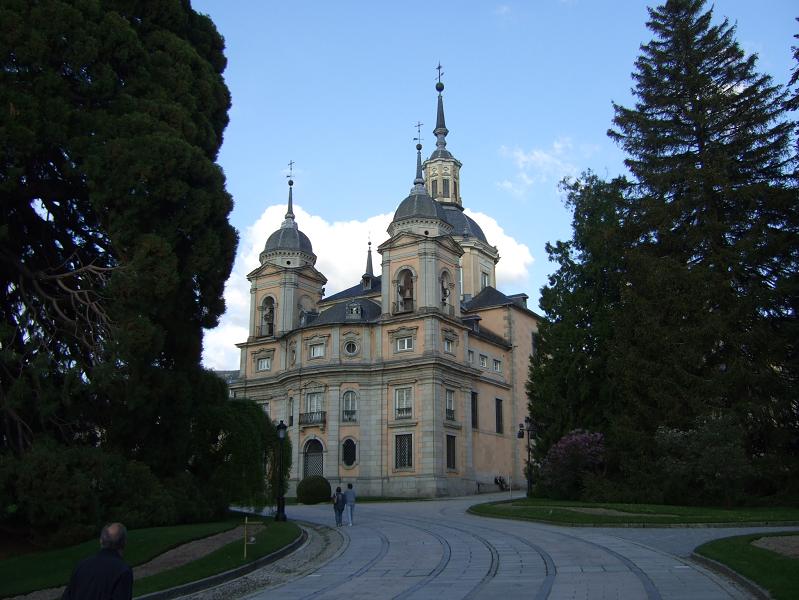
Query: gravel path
{"x": 323, "y": 544}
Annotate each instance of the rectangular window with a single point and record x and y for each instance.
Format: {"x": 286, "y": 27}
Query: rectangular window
{"x": 497, "y": 365}
{"x": 404, "y": 343}
{"x": 313, "y": 402}
{"x": 317, "y": 350}
{"x": 483, "y": 361}
{"x": 474, "y": 411}
{"x": 454, "y": 189}
{"x": 434, "y": 188}
{"x": 500, "y": 427}
{"x": 403, "y": 451}
{"x": 291, "y": 412}
{"x": 484, "y": 280}
{"x": 445, "y": 188}
{"x": 451, "y": 452}
{"x": 471, "y": 357}
{"x": 264, "y": 364}
{"x": 403, "y": 403}
{"x": 448, "y": 345}
{"x": 449, "y": 402}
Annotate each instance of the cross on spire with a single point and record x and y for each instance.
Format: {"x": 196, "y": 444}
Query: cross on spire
{"x": 418, "y": 126}
{"x": 440, "y": 73}
{"x": 291, "y": 169}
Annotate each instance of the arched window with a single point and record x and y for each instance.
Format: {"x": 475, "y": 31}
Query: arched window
{"x": 268, "y": 316}
{"x": 349, "y": 452}
{"x": 349, "y": 413}
{"x": 313, "y": 459}
{"x": 405, "y": 291}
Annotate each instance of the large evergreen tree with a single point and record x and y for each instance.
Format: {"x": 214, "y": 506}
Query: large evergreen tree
{"x": 674, "y": 304}
{"x": 570, "y": 385}
{"x": 115, "y": 243}
{"x": 708, "y": 311}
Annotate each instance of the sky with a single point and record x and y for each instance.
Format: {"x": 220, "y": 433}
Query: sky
{"x": 337, "y": 88}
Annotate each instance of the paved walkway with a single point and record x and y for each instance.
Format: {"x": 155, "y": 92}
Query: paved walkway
{"x": 433, "y": 549}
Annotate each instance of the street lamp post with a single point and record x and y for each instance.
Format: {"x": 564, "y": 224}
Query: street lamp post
{"x": 280, "y": 515}
{"x": 528, "y": 427}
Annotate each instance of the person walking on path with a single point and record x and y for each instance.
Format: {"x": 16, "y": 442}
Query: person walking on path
{"x": 349, "y": 496}
{"x": 104, "y": 576}
{"x": 339, "y": 502}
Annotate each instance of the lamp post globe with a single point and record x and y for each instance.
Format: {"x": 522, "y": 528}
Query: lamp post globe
{"x": 280, "y": 513}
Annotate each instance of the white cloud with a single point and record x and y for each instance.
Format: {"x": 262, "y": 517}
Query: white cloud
{"x": 540, "y": 166}
{"x": 341, "y": 250}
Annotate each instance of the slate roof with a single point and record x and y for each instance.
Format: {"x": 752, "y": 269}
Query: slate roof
{"x": 490, "y": 297}
{"x": 288, "y": 238}
{"x": 338, "y": 313}
{"x": 462, "y": 225}
{"x": 356, "y": 291}
{"x": 419, "y": 205}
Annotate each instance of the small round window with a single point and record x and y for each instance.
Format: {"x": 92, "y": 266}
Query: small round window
{"x": 348, "y": 452}
{"x": 350, "y": 348}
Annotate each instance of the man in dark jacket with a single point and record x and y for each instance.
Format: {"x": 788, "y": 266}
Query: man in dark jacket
{"x": 104, "y": 576}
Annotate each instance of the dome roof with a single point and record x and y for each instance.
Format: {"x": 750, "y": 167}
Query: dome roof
{"x": 462, "y": 224}
{"x": 419, "y": 204}
{"x": 288, "y": 238}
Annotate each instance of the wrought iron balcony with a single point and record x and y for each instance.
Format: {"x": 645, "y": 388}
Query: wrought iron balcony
{"x": 450, "y": 414}
{"x": 403, "y": 413}
{"x": 349, "y": 416}
{"x": 313, "y": 418}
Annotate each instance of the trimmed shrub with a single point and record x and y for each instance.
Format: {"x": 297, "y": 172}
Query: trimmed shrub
{"x": 313, "y": 490}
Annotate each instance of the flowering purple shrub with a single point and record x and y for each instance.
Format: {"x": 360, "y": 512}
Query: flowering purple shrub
{"x": 576, "y": 454}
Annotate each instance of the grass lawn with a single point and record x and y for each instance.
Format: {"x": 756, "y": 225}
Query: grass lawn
{"x": 776, "y": 573}
{"x": 273, "y": 537}
{"x": 29, "y": 572}
{"x": 586, "y": 513}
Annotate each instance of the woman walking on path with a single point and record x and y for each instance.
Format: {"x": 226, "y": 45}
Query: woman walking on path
{"x": 339, "y": 502}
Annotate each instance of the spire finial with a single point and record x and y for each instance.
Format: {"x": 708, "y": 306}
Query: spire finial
{"x": 369, "y": 270}
{"x": 289, "y": 222}
{"x": 441, "y": 130}
{"x": 419, "y": 181}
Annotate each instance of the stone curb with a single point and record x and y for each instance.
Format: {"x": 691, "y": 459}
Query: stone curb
{"x": 214, "y": 580}
{"x": 722, "y": 569}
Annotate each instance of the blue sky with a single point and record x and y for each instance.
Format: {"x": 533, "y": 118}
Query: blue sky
{"x": 337, "y": 86}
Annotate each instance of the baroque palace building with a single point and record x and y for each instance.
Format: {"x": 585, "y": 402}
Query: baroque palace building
{"x": 409, "y": 383}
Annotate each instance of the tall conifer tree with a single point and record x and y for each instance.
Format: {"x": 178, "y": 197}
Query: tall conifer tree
{"x": 709, "y": 318}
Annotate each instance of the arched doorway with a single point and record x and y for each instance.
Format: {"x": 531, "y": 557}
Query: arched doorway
{"x": 313, "y": 459}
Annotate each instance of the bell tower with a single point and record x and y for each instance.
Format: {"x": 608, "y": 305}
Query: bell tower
{"x": 442, "y": 171}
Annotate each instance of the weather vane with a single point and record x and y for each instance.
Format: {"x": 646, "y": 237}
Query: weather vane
{"x": 418, "y": 126}
{"x": 440, "y": 73}
{"x": 291, "y": 169}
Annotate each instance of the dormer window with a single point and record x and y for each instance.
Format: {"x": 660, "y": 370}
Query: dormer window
{"x": 353, "y": 310}
{"x": 267, "y": 310}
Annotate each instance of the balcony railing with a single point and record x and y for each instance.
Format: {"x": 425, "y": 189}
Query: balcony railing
{"x": 313, "y": 418}
{"x": 350, "y": 416}
{"x": 402, "y": 307}
{"x": 403, "y": 413}
{"x": 450, "y": 414}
